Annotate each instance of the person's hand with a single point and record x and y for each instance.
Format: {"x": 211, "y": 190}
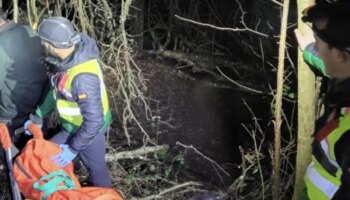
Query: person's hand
{"x": 26, "y": 124}
{"x": 65, "y": 157}
{"x": 304, "y": 40}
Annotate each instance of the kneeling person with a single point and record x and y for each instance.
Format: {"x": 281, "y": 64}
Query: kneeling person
{"x": 79, "y": 95}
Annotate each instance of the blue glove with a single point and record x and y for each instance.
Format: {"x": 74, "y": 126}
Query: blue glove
{"x": 33, "y": 119}
{"x": 27, "y": 123}
{"x": 65, "y": 157}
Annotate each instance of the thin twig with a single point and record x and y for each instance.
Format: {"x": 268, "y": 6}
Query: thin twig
{"x": 204, "y": 156}
{"x": 168, "y": 190}
{"x": 222, "y": 28}
{"x": 276, "y": 2}
{"x": 257, "y": 149}
{"x": 234, "y": 82}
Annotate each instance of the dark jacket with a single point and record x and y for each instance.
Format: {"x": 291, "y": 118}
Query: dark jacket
{"x": 22, "y": 76}
{"x": 85, "y": 83}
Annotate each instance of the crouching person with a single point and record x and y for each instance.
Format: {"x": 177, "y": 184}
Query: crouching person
{"x": 79, "y": 95}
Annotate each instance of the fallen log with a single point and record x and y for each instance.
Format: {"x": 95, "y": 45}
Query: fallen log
{"x": 136, "y": 154}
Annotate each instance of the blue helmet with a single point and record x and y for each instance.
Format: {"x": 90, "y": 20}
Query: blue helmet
{"x": 59, "y": 32}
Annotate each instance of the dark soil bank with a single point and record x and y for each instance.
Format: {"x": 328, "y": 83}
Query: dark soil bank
{"x": 194, "y": 111}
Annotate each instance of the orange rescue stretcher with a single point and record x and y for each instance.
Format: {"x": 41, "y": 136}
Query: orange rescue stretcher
{"x": 34, "y": 175}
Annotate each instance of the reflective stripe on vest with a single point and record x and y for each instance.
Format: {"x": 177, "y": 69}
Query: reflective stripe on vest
{"x": 320, "y": 150}
{"x": 325, "y": 147}
{"x": 325, "y": 186}
{"x": 321, "y": 183}
{"x": 69, "y": 110}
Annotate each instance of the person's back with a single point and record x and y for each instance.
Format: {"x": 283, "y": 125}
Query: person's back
{"x": 22, "y": 76}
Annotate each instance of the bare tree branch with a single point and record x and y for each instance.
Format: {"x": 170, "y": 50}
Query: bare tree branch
{"x": 222, "y": 28}
{"x": 135, "y": 153}
{"x": 234, "y": 82}
{"x": 204, "y": 156}
{"x": 176, "y": 187}
{"x": 276, "y": 2}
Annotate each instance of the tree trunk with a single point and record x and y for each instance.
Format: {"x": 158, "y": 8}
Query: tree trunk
{"x": 306, "y": 111}
{"x": 278, "y": 111}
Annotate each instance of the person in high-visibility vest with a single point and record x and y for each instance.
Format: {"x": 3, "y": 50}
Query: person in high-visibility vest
{"x": 327, "y": 52}
{"x": 79, "y": 95}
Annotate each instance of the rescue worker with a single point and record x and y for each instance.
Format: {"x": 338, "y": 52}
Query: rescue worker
{"x": 79, "y": 95}
{"x": 22, "y": 75}
{"x": 328, "y": 53}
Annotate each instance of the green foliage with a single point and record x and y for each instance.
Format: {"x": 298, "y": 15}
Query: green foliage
{"x": 287, "y": 92}
{"x": 288, "y": 95}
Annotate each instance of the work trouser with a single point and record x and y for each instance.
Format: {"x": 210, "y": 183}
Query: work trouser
{"x": 93, "y": 158}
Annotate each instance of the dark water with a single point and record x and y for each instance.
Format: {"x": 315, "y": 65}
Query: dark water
{"x": 208, "y": 117}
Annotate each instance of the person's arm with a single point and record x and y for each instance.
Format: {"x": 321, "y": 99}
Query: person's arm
{"x": 306, "y": 43}
{"x": 86, "y": 90}
{"x": 342, "y": 153}
{"x": 312, "y": 58}
{"x": 47, "y": 107}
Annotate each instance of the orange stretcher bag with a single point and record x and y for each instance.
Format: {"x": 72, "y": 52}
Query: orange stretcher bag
{"x": 38, "y": 177}
{"x": 33, "y": 168}
{"x": 93, "y": 193}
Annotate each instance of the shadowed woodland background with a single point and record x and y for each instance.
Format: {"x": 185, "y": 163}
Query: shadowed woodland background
{"x": 192, "y": 87}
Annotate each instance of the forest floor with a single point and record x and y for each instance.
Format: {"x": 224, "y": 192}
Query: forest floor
{"x": 200, "y": 125}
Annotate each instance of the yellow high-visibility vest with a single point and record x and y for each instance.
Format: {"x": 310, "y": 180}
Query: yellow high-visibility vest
{"x": 320, "y": 183}
{"x": 69, "y": 111}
